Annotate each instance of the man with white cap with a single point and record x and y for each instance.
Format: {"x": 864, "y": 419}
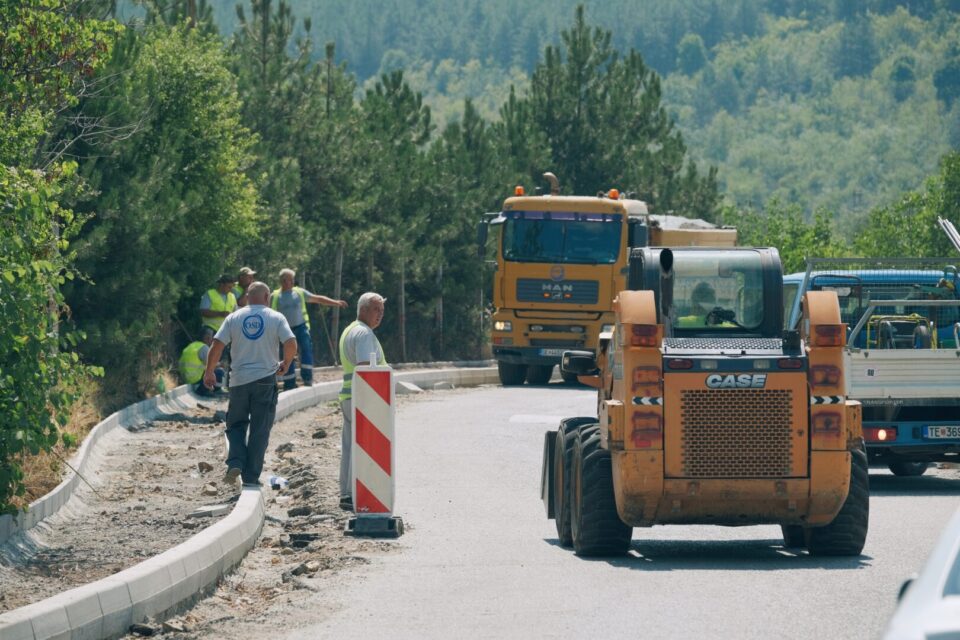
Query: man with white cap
{"x": 243, "y": 281}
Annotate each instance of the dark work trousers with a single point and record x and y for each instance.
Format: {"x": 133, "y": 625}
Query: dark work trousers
{"x": 304, "y": 358}
{"x": 252, "y": 408}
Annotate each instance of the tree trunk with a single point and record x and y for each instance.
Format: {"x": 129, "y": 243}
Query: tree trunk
{"x": 439, "y": 312}
{"x": 337, "y": 281}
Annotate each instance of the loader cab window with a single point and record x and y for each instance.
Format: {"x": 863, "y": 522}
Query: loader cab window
{"x": 717, "y": 292}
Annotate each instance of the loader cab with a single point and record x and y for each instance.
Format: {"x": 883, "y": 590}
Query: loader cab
{"x": 712, "y": 293}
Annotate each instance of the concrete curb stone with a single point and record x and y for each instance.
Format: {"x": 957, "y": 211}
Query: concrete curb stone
{"x": 173, "y": 580}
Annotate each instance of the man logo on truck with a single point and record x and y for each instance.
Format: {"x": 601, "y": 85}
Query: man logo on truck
{"x": 557, "y": 291}
{"x": 742, "y": 381}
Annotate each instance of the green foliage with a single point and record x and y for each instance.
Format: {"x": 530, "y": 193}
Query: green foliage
{"x": 784, "y": 228}
{"x": 172, "y": 203}
{"x": 603, "y": 123}
{"x": 38, "y": 364}
{"x": 909, "y": 227}
{"x": 45, "y": 53}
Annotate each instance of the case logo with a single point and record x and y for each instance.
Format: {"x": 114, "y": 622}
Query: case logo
{"x": 734, "y": 381}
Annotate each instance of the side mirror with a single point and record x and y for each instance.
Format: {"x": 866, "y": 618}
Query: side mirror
{"x": 903, "y": 588}
{"x": 482, "y": 230}
{"x": 582, "y": 363}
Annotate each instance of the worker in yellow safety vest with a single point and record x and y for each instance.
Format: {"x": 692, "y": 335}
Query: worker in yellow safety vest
{"x": 357, "y": 344}
{"x": 292, "y": 302}
{"x": 216, "y": 304}
{"x": 193, "y": 361}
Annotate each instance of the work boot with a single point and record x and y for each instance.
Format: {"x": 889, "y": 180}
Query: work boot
{"x": 230, "y": 478}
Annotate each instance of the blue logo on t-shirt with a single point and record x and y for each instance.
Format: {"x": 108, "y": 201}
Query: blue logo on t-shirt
{"x": 253, "y": 326}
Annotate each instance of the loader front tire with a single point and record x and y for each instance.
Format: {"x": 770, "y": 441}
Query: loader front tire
{"x": 596, "y": 526}
{"x": 846, "y": 535}
{"x": 562, "y": 461}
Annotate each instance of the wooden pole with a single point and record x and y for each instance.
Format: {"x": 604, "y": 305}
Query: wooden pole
{"x": 337, "y": 281}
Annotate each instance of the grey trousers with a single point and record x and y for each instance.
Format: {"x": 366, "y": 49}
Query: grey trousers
{"x": 346, "y": 446}
{"x": 252, "y": 409}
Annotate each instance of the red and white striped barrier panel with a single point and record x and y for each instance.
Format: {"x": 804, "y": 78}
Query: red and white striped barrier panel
{"x": 373, "y": 468}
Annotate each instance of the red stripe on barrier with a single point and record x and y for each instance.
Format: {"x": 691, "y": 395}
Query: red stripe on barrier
{"x": 379, "y": 381}
{"x": 367, "y": 502}
{"x": 371, "y": 440}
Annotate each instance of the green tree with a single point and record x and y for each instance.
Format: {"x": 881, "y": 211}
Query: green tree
{"x": 691, "y": 54}
{"x": 46, "y": 56}
{"x": 603, "y": 122}
{"x": 784, "y": 227}
{"x": 172, "y": 204}
{"x": 909, "y": 226}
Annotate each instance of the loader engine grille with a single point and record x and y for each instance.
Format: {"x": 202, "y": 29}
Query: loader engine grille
{"x": 736, "y": 433}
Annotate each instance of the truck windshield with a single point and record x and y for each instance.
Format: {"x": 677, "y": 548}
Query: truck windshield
{"x": 561, "y": 237}
{"x": 717, "y": 290}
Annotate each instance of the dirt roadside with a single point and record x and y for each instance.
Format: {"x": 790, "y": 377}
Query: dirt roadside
{"x": 138, "y": 503}
{"x": 302, "y": 544}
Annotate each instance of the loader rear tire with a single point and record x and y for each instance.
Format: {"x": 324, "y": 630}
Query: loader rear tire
{"x": 539, "y": 374}
{"x": 595, "y": 524}
{"x": 907, "y": 468}
{"x": 846, "y": 535}
{"x": 511, "y": 374}
{"x": 794, "y": 537}
{"x": 562, "y": 460}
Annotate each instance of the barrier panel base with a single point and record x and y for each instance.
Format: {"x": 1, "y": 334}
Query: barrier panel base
{"x": 373, "y": 527}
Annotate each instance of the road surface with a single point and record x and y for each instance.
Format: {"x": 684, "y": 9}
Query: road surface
{"x": 480, "y": 559}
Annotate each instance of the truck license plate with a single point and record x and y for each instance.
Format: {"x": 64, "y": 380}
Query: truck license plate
{"x": 942, "y": 432}
{"x": 552, "y": 352}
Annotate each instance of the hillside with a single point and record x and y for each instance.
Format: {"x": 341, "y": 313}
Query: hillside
{"x": 840, "y": 105}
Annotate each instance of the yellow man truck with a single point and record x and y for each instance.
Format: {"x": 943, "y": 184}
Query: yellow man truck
{"x": 710, "y": 413}
{"x": 560, "y": 261}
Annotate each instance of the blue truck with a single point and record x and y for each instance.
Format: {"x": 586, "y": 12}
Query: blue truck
{"x": 902, "y": 355}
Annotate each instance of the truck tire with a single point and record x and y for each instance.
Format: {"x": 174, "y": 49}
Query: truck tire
{"x": 846, "y": 535}
{"x": 907, "y": 468}
{"x": 794, "y": 537}
{"x": 595, "y": 524}
{"x": 511, "y": 374}
{"x": 539, "y": 373}
{"x": 562, "y": 460}
{"x": 568, "y": 377}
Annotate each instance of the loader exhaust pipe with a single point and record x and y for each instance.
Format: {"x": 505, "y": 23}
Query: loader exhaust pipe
{"x": 666, "y": 286}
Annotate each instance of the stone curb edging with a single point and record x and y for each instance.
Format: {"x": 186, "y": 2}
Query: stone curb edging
{"x": 171, "y": 581}
{"x": 175, "y": 400}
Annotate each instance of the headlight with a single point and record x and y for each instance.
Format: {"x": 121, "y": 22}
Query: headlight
{"x": 503, "y": 325}
{"x": 607, "y": 328}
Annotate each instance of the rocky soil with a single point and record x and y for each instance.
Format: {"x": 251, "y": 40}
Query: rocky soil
{"x": 138, "y": 503}
{"x": 302, "y": 545}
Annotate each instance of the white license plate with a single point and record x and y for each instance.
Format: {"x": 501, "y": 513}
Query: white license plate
{"x": 552, "y": 352}
{"x": 943, "y": 432}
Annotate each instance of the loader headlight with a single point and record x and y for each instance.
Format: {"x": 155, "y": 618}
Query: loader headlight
{"x": 503, "y": 325}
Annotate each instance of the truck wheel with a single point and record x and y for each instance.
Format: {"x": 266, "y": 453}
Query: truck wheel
{"x": 511, "y": 374}
{"x": 907, "y": 468}
{"x": 562, "y": 460}
{"x": 794, "y": 536}
{"x": 569, "y": 378}
{"x": 539, "y": 373}
{"x": 595, "y": 524}
{"x": 846, "y": 535}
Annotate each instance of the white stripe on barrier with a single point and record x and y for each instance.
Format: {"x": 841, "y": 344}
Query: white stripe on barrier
{"x": 373, "y": 477}
{"x": 373, "y": 406}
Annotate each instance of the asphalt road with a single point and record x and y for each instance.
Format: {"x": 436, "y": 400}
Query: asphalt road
{"x": 480, "y": 559}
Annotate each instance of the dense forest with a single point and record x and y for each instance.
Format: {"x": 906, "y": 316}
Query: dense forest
{"x": 146, "y": 148}
{"x": 785, "y": 97}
